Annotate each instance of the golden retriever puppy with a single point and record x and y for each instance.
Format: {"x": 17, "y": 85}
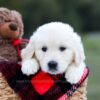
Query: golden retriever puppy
{"x": 55, "y": 48}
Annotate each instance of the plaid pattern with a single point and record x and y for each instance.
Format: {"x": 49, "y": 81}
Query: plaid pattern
{"x": 22, "y": 85}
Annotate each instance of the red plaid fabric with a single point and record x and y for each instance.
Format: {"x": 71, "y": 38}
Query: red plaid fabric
{"x": 27, "y": 88}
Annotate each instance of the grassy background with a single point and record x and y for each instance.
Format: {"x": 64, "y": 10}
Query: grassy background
{"x": 92, "y": 51}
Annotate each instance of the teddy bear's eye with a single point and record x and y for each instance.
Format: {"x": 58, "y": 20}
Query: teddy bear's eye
{"x": 62, "y": 48}
{"x": 7, "y": 20}
{"x": 44, "y": 49}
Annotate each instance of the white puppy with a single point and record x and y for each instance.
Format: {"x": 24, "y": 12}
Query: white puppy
{"x": 55, "y": 48}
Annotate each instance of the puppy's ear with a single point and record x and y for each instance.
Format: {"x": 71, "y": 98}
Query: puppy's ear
{"x": 28, "y": 52}
{"x": 79, "y": 55}
{"x": 29, "y": 64}
{"x": 76, "y": 68}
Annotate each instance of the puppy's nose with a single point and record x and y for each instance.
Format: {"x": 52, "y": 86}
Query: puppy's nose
{"x": 52, "y": 65}
{"x": 13, "y": 26}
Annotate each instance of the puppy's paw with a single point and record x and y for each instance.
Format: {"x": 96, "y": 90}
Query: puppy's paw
{"x": 74, "y": 74}
{"x": 30, "y": 67}
{"x": 72, "y": 77}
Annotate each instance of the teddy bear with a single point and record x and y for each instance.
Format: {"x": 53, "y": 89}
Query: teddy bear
{"x": 11, "y": 31}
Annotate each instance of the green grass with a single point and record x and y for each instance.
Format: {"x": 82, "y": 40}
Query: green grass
{"x": 92, "y": 51}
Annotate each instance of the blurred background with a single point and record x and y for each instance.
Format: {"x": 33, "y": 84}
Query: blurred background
{"x": 83, "y": 15}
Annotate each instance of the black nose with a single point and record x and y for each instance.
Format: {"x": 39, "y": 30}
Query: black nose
{"x": 13, "y": 26}
{"x": 52, "y": 65}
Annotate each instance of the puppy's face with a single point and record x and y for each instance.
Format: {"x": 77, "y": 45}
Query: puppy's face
{"x": 54, "y": 57}
{"x": 53, "y": 51}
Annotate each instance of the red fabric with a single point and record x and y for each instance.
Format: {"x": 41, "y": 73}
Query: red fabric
{"x": 83, "y": 76}
{"x": 42, "y": 82}
{"x": 64, "y": 97}
{"x": 16, "y": 44}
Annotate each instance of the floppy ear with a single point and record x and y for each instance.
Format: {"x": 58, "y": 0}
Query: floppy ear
{"x": 29, "y": 64}
{"x": 79, "y": 55}
{"x": 76, "y": 68}
{"x": 28, "y": 52}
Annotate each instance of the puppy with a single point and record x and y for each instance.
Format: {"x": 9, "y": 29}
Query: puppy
{"x": 56, "y": 49}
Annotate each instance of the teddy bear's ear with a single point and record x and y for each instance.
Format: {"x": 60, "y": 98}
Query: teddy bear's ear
{"x": 4, "y": 15}
{"x": 16, "y": 13}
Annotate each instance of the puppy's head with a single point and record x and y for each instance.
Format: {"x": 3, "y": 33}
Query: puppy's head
{"x": 56, "y": 46}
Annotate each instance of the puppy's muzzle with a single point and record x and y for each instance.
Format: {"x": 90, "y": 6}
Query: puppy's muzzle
{"x": 52, "y": 65}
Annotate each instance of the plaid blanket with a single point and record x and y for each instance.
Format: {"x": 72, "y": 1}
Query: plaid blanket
{"x": 40, "y": 86}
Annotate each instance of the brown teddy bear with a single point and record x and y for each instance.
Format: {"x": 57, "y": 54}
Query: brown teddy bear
{"x": 11, "y": 31}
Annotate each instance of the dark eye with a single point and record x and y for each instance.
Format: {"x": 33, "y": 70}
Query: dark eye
{"x": 7, "y": 20}
{"x": 62, "y": 48}
{"x": 44, "y": 49}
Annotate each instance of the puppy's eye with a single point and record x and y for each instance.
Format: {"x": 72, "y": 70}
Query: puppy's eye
{"x": 62, "y": 48}
{"x": 44, "y": 49}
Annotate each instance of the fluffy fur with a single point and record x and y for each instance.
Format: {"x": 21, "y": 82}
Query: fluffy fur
{"x": 54, "y": 37}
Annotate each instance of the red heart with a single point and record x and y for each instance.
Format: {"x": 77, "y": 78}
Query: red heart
{"x": 42, "y": 82}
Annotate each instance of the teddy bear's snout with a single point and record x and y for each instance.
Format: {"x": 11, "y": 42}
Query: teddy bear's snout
{"x": 13, "y": 26}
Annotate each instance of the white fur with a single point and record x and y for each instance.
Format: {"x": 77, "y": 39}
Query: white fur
{"x": 74, "y": 74}
{"x": 29, "y": 64}
{"x": 28, "y": 68}
{"x": 54, "y": 35}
